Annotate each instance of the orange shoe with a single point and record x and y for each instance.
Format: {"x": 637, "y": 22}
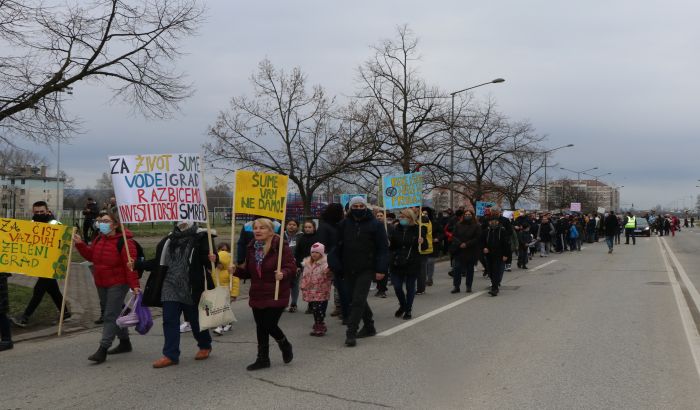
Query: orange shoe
{"x": 202, "y": 354}
{"x": 163, "y": 362}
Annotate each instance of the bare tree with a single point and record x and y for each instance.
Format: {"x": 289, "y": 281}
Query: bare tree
{"x": 104, "y": 183}
{"x": 16, "y": 160}
{"x": 129, "y": 45}
{"x": 287, "y": 130}
{"x": 408, "y": 112}
{"x": 518, "y": 175}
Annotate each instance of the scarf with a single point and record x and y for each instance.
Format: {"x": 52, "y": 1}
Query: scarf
{"x": 259, "y": 255}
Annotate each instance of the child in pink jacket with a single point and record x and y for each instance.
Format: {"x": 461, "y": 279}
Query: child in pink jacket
{"x": 316, "y": 286}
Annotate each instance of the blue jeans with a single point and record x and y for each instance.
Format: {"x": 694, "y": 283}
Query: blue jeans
{"x": 171, "y": 328}
{"x": 459, "y": 268}
{"x": 609, "y": 241}
{"x": 405, "y": 299}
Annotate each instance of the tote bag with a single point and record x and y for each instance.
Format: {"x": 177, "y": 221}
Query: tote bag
{"x": 215, "y": 307}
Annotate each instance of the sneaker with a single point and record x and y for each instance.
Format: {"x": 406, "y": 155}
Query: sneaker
{"x": 508, "y": 268}
{"x": 420, "y": 293}
{"x": 219, "y": 330}
{"x": 185, "y": 327}
{"x": 228, "y": 327}
{"x": 20, "y": 321}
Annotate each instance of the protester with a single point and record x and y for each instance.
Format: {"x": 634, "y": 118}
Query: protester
{"x": 496, "y": 242}
{"x": 186, "y": 254}
{"x": 316, "y": 286}
{"x": 110, "y": 255}
{"x": 5, "y": 329}
{"x": 427, "y": 261}
{"x": 545, "y": 230}
{"x": 41, "y": 213}
{"x": 261, "y": 268}
{"x": 612, "y": 229}
{"x": 292, "y": 235}
{"x": 90, "y": 213}
{"x": 327, "y": 234}
{"x": 360, "y": 257}
{"x": 226, "y": 280}
{"x": 405, "y": 244}
{"x": 465, "y": 249}
{"x": 382, "y": 285}
{"x": 303, "y": 248}
{"x": 524, "y": 241}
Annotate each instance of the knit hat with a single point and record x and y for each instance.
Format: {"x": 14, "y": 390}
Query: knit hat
{"x": 318, "y": 248}
{"x": 358, "y": 200}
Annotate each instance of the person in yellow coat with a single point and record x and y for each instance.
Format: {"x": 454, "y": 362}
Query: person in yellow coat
{"x": 225, "y": 279}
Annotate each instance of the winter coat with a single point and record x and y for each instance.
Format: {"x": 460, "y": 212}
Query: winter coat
{"x": 303, "y": 248}
{"x": 109, "y": 265}
{"x": 362, "y": 246}
{"x": 545, "y": 231}
{"x": 224, "y": 275}
{"x": 4, "y": 296}
{"x": 469, "y": 233}
{"x": 497, "y": 241}
{"x": 315, "y": 282}
{"x": 405, "y": 250}
{"x": 262, "y": 283}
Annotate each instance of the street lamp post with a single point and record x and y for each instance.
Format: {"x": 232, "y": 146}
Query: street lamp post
{"x": 68, "y": 90}
{"x": 578, "y": 175}
{"x": 545, "y": 153}
{"x": 596, "y": 184}
{"x": 452, "y": 137}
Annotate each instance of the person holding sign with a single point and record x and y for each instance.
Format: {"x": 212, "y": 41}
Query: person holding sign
{"x": 113, "y": 279}
{"x": 496, "y": 240}
{"x": 261, "y": 268}
{"x": 405, "y": 246}
{"x": 361, "y": 255}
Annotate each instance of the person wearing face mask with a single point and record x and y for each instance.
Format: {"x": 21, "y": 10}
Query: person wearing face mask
{"x": 41, "y": 213}
{"x": 113, "y": 278}
{"x": 465, "y": 249}
{"x": 360, "y": 255}
{"x": 496, "y": 242}
{"x": 405, "y": 245}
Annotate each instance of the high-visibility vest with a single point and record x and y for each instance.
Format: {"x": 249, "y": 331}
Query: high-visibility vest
{"x": 631, "y": 222}
{"x": 429, "y": 238}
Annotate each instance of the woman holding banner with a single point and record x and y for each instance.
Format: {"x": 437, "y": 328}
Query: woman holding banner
{"x": 405, "y": 244}
{"x": 261, "y": 268}
{"x": 113, "y": 279}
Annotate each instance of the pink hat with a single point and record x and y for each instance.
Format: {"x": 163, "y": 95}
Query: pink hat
{"x": 318, "y": 248}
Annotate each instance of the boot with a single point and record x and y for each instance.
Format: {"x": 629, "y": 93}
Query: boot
{"x": 315, "y": 331}
{"x": 123, "y": 347}
{"x": 322, "y": 329}
{"x": 350, "y": 338}
{"x": 367, "y": 330}
{"x": 263, "y": 360}
{"x": 286, "y": 348}
{"x": 99, "y": 356}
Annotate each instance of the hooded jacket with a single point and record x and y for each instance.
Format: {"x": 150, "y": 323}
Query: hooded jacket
{"x": 110, "y": 264}
{"x": 362, "y": 246}
{"x": 315, "y": 283}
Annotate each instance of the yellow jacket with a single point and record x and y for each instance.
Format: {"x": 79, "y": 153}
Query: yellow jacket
{"x": 225, "y": 276}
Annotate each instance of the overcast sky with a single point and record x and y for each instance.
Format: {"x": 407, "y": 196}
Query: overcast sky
{"x": 619, "y": 79}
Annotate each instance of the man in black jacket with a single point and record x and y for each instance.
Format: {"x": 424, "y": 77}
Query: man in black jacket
{"x": 496, "y": 240}
{"x": 612, "y": 228}
{"x": 361, "y": 255}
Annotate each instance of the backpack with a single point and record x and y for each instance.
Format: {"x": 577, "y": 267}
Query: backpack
{"x": 573, "y": 232}
{"x": 140, "y": 254}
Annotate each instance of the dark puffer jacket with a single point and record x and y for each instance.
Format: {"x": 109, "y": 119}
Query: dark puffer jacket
{"x": 262, "y": 284}
{"x": 110, "y": 264}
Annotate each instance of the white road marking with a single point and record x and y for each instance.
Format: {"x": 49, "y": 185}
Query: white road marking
{"x": 428, "y": 315}
{"x": 437, "y": 311}
{"x": 684, "y": 276}
{"x": 691, "y": 331}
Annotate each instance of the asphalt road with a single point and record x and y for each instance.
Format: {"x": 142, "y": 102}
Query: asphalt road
{"x": 586, "y": 330}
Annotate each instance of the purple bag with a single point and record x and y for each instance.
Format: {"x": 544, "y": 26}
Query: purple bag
{"x": 128, "y": 317}
{"x": 144, "y": 314}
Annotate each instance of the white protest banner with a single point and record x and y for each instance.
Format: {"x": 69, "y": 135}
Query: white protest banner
{"x": 575, "y": 206}
{"x": 601, "y": 210}
{"x": 158, "y": 187}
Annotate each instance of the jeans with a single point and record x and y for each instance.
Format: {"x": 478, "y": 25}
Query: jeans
{"x": 357, "y": 286}
{"x": 496, "y": 267}
{"x": 318, "y": 308}
{"x": 295, "y": 290}
{"x": 344, "y": 295}
{"x": 113, "y": 299}
{"x": 609, "y": 241}
{"x": 573, "y": 244}
{"x": 171, "y": 328}
{"x": 405, "y": 299}
{"x": 544, "y": 248}
{"x": 430, "y": 268}
{"x": 5, "y": 330}
{"x": 629, "y": 232}
{"x": 267, "y": 324}
{"x": 460, "y": 268}
{"x": 423, "y": 275}
{"x": 523, "y": 258}
{"x": 43, "y": 286}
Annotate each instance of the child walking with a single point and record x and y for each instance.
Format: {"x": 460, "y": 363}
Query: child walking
{"x": 225, "y": 279}
{"x": 316, "y": 286}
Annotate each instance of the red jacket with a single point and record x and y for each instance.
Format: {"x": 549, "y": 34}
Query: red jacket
{"x": 109, "y": 265}
{"x": 262, "y": 286}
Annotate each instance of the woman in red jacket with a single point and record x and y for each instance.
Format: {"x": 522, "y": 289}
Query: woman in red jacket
{"x": 112, "y": 278}
{"x": 260, "y": 267}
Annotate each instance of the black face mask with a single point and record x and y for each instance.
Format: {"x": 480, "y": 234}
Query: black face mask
{"x": 357, "y": 213}
{"x": 42, "y": 218}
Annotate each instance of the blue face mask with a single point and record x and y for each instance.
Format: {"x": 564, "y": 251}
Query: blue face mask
{"x": 104, "y": 227}
{"x": 403, "y": 222}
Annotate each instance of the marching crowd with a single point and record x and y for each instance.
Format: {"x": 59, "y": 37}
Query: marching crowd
{"x": 337, "y": 260}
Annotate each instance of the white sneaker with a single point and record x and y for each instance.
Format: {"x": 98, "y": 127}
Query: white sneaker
{"x": 219, "y": 330}
{"x": 228, "y": 327}
{"x": 185, "y": 327}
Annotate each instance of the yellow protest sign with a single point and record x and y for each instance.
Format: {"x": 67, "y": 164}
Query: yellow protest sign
{"x": 261, "y": 194}
{"x": 34, "y": 249}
